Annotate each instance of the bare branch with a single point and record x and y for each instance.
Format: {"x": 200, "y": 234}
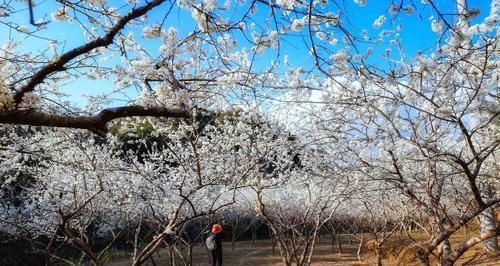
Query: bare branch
{"x": 95, "y": 123}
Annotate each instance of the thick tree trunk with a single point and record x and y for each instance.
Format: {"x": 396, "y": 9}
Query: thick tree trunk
{"x": 423, "y": 257}
{"x": 254, "y": 237}
{"x": 171, "y": 256}
{"x": 447, "y": 262}
{"x": 339, "y": 243}
{"x": 487, "y": 222}
{"x": 360, "y": 247}
{"x": 190, "y": 255}
{"x": 445, "y": 247}
{"x": 313, "y": 244}
{"x": 378, "y": 251}
{"x": 274, "y": 246}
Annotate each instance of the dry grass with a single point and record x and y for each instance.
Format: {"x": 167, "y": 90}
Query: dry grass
{"x": 401, "y": 251}
{"x": 398, "y": 251}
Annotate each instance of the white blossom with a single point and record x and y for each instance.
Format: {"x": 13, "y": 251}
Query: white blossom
{"x": 360, "y": 2}
{"x": 3, "y": 12}
{"x": 333, "y": 41}
{"x": 6, "y": 101}
{"x": 24, "y": 29}
{"x": 201, "y": 20}
{"x": 151, "y": 32}
{"x": 298, "y": 24}
{"x": 30, "y": 100}
{"x": 320, "y": 35}
{"x": 273, "y": 35}
{"x": 436, "y": 26}
{"x": 211, "y": 4}
{"x": 97, "y": 1}
{"x": 379, "y": 21}
{"x": 60, "y": 14}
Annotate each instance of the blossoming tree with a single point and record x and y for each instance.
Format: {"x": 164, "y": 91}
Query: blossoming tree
{"x": 424, "y": 124}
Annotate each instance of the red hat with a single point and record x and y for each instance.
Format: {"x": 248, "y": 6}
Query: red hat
{"x": 216, "y": 228}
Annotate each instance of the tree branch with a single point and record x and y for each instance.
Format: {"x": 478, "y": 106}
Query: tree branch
{"x": 95, "y": 123}
{"x": 58, "y": 64}
{"x": 472, "y": 242}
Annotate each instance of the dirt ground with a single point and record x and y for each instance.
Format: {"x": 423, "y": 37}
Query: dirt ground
{"x": 260, "y": 253}
{"x": 244, "y": 254}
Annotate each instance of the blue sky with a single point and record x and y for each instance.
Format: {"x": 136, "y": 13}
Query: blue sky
{"x": 415, "y": 34}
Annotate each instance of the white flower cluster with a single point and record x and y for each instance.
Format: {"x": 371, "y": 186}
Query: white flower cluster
{"x": 185, "y": 3}
{"x": 261, "y": 42}
{"x": 226, "y": 41}
{"x": 294, "y": 77}
{"x": 171, "y": 36}
{"x": 273, "y": 35}
{"x": 231, "y": 78}
{"x": 201, "y": 20}
{"x": 6, "y": 101}
{"x": 23, "y": 29}
{"x": 340, "y": 57}
{"x": 298, "y": 24}
{"x": 436, "y": 26}
{"x": 3, "y": 12}
{"x": 97, "y": 2}
{"x": 151, "y": 32}
{"x": 286, "y": 4}
{"x": 321, "y": 35}
{"x": 333, "y": 41}
{"x": 210, "y": 5}
{"x": 360, "y": 2}
{"x": 60, "y": 14}
{"x": 379, "y": 21}
{"x": 242, "y": 57}
{"x": 29, "y": 101}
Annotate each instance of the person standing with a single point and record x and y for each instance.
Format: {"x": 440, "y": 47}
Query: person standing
{"x": 214, "y": 244}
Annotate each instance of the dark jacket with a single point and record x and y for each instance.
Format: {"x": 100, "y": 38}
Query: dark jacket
{"x": 218, "y": 239}
{"x": 217, "y": 253}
